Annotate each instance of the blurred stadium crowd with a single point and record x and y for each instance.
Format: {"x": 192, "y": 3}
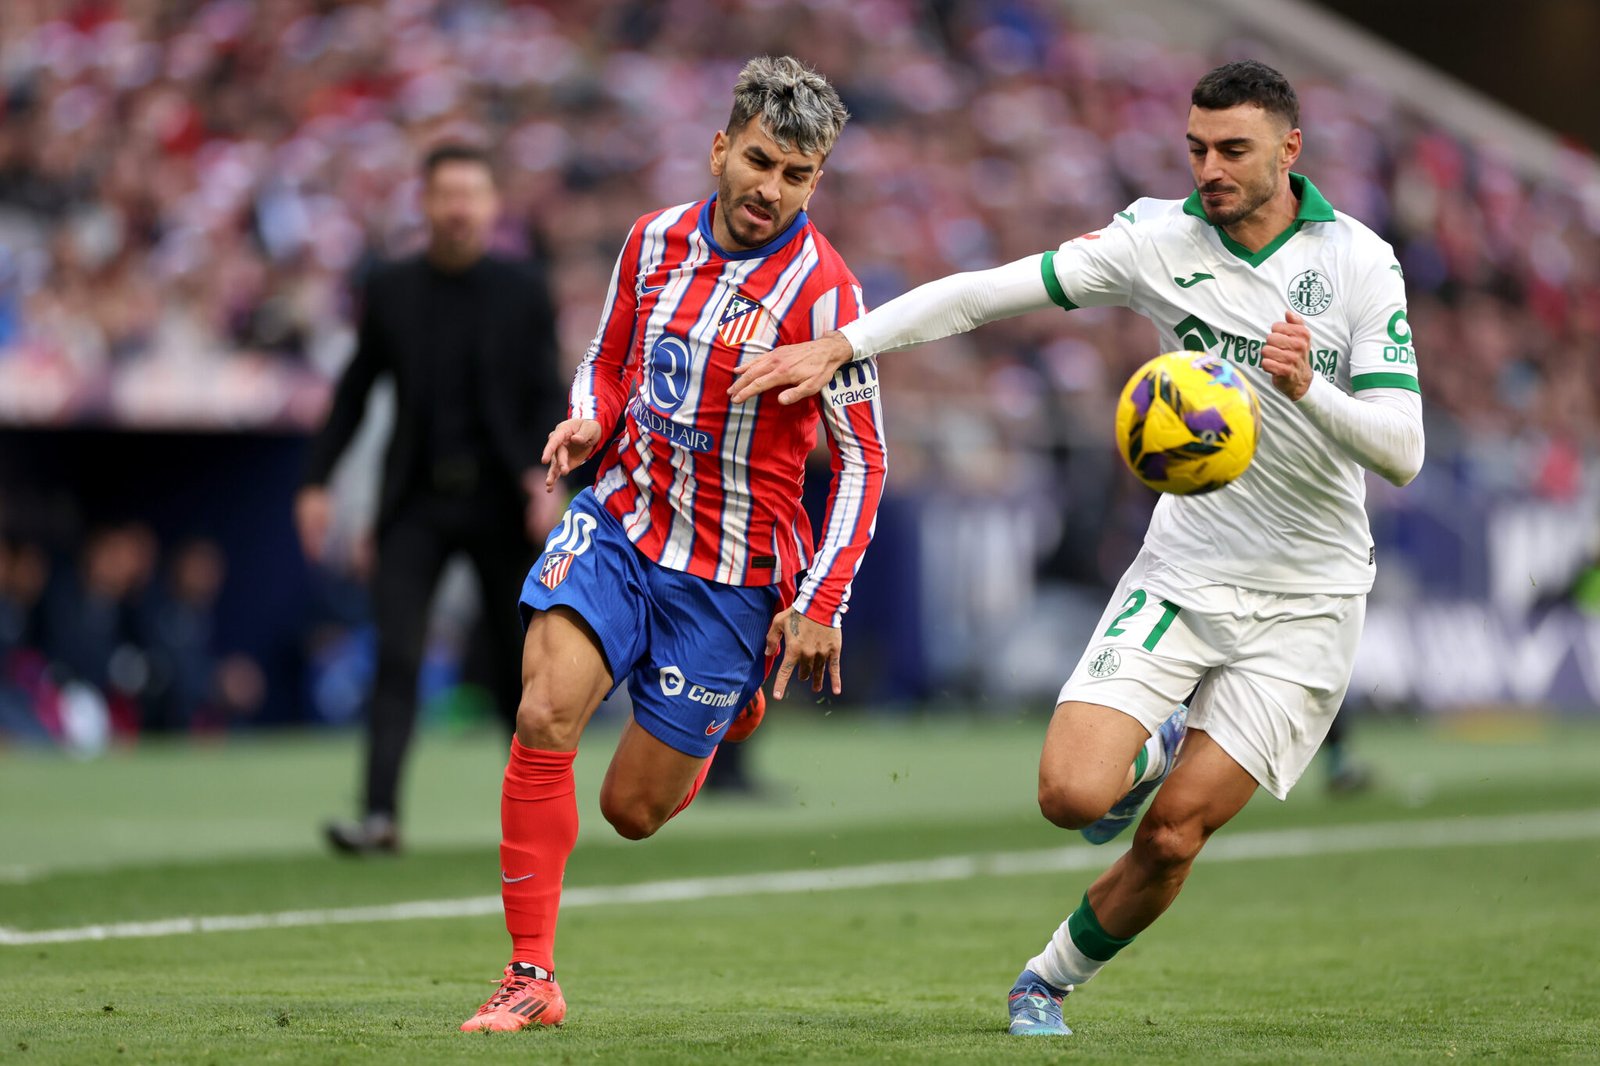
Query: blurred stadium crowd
{"x": 191, "y": 190}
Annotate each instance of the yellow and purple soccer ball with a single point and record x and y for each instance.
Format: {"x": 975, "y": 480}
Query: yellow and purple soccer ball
{"x": 1187, "y": 423}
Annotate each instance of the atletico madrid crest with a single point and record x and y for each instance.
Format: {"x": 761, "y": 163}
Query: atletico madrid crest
{"x": 741, "y": 317}
{"x": 554, "y": 570}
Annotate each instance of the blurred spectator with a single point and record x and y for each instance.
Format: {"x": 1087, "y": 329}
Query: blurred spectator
{"x": 190, "y": 686}
{"x": 93, "y": 619}
{"x": 24, "y": 571}
{"x": 468, "y": 339}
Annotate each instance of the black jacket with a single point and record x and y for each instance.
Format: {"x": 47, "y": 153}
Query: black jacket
{"x": 521, "y": 386}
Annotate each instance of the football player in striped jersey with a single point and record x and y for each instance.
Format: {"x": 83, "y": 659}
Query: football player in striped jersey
{"x": 678, "y": 571}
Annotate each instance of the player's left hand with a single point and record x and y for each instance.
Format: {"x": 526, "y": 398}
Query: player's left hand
{"x": 809, "y": 647}
{"x": 1287, "y": 355}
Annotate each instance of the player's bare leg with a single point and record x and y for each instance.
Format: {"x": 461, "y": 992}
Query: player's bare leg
{"x": 1097, "y": 768}
{"x": 1205, "y": 791}
{"x": 564, "y": 678}
{"x": 1087, "y": 762}
{"x": 648, "y": 782}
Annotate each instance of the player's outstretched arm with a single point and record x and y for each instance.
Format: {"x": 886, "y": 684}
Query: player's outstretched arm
{"x": 955, "y": 304}
{"x": 810, "y": 648}
{"x": 568, "y": 446}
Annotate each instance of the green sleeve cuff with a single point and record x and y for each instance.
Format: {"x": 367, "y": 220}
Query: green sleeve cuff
{"x": 1359, "y": 382}
{"x": 1052, "y": 284}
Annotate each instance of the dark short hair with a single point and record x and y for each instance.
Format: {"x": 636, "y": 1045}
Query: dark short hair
{"x": 1247, "y": 82}
{"x": 454, "y": 152}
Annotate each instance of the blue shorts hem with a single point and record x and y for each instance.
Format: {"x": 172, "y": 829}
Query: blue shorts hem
{"x": 678, "y": 739}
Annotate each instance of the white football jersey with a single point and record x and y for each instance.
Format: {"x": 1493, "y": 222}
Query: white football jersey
{"x": 1296, "y": 520}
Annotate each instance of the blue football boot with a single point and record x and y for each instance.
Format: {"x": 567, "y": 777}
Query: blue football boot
{"x": 1035, "y": 1006}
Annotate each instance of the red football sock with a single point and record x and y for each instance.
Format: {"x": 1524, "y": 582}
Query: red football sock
{"x": 538, "y": 828}
{"x": 694, "y": 789}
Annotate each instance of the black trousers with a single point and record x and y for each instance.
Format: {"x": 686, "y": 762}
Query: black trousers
{"x": 412, "y": 551}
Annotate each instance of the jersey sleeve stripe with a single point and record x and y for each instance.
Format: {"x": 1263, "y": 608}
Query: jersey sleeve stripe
{"x": 860, "y": 464}
{"x": 598, "y": 389}
{"x": 1385, "y": 380}
{"x": 1052, "y": 284}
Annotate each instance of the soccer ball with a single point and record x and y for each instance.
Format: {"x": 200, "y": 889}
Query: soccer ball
{"x": 1187, "y": 423}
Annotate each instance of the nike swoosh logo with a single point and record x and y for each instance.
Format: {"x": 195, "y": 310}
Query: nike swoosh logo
{"x": 1194, "y": 279}
{"x": 651, "y": 288}
{"x": 714, "y": 726}
{"x": 513, "y": 880}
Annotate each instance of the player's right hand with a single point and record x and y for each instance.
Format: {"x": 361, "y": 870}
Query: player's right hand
{"x": 808, "y": 646}
{"x": 569, "y": 445}
{"x": 313, "y": 517}
{"x": 807, "y": 367}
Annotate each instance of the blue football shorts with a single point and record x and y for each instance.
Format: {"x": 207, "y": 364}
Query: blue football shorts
{"x": 692, "y": 651}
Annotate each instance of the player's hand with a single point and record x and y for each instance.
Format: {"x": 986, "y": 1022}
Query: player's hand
{"x": 569, "y": 445}
{"x": 313, "y": 517}
{"x": 810, "y": 648}
{"x": 1287, "y": 355}
{"x": 808, "y": 367}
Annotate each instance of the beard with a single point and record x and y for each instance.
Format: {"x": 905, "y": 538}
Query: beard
{"x": 1249, "y": 197}
{"x": 745, "y": 234}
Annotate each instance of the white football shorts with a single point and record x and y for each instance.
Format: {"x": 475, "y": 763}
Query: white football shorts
{"x": 1267, "y": 670}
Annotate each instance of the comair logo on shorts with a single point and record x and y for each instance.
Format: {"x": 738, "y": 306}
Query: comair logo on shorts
{"x": 673, "y": 683}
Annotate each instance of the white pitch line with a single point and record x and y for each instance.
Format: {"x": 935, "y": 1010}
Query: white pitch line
{"x": 1241, "y": 847}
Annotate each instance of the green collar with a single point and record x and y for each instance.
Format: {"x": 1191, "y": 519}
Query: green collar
{"x": 1314, "y": 207}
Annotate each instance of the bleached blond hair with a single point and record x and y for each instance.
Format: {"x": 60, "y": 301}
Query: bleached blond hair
{"x": 796, "y": 105}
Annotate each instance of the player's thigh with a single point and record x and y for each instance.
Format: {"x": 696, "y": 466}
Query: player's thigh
{"x": 703, "y": 661}
{"x": 647, "y": 778}
{"x": 1272, "y": 704}
{"x": 1206, "y": 789}
{"x": 564, "y": 678}
{"x": 1157, "y": 638}
{"x": 1087, "y": 751}
{"x": 584, "y": 606}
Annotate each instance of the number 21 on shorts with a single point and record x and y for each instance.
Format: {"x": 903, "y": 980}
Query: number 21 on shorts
{"x": 1132, "y": 606}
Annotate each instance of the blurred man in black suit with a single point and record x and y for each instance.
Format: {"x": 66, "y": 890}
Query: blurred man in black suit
{"x": 469, "y": 340}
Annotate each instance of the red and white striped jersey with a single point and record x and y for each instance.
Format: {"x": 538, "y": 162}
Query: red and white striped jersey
{"x": 701, "y": 484}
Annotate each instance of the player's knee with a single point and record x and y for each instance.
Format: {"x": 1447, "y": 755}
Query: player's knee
{"x": 542, "y": 723}
{"x": 1069, "y": 804}
{"x": 631, "y": 819}
{"x": 1168, "y": 845}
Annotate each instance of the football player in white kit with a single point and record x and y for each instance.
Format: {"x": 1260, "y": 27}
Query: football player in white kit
{"x": 1247, "y": 602}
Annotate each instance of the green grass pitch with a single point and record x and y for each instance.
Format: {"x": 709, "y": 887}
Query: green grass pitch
{"x": 1477, "y": 945}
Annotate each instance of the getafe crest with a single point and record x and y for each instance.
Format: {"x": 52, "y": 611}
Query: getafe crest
{"x": 1105, "y": 664}
{"x": 1310, "y": 293}
{"x": 741, "y": 317}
